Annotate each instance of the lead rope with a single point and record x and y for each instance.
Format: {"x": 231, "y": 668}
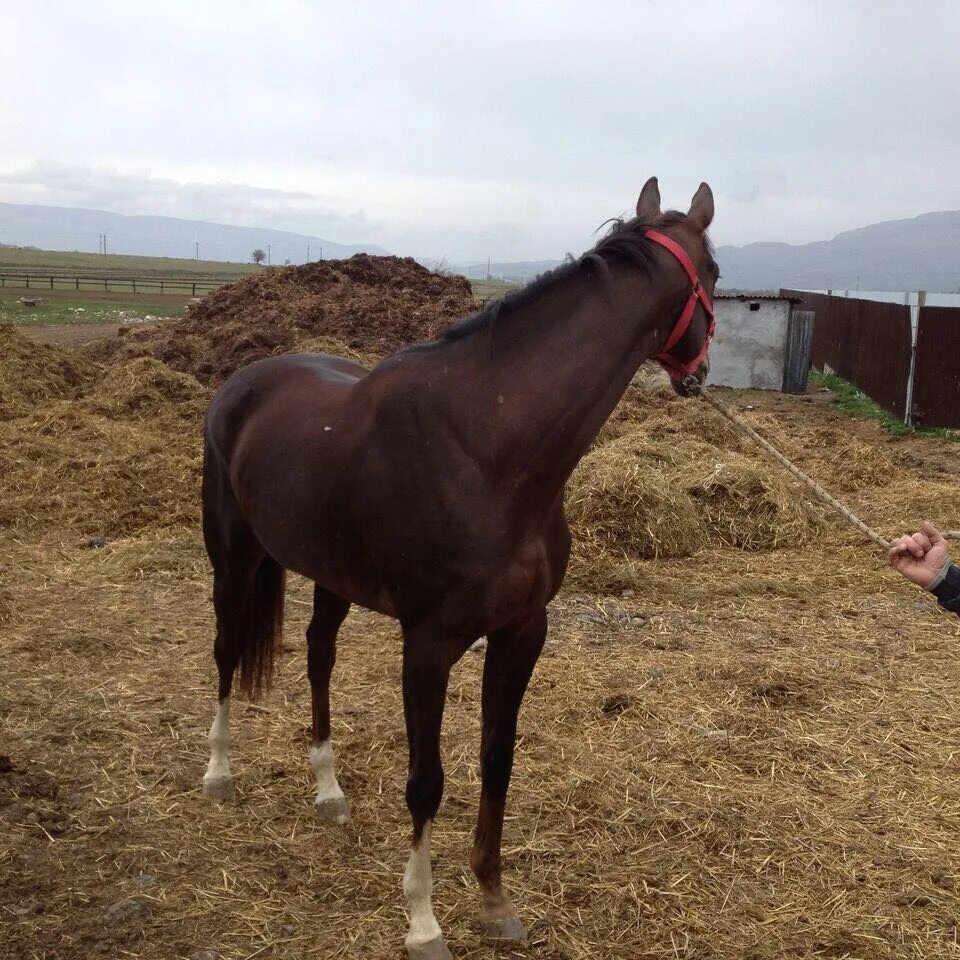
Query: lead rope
{"x": 820, "y": 493}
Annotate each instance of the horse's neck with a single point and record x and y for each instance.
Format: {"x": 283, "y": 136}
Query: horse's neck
{"x": 553, "y": 370}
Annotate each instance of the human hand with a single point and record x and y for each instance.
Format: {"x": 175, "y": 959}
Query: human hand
{"x": 920, "y": 556}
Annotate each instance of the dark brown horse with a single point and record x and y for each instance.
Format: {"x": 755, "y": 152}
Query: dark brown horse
{"x": 431, "y": 489}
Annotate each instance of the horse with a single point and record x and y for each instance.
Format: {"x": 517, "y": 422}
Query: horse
{"x": 430, "y": 489}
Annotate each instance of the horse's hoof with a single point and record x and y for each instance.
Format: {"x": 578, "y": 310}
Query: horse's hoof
{"x": 332, "y": 809}
{"x": 507, "y": 928}
{"x": 431, "y": 950}
{"x": 218, "y": 788}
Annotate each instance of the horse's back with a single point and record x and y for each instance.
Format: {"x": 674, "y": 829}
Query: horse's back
{"x": 293, "y": 386}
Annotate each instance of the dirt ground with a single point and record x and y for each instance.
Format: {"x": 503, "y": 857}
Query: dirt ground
{"x": 750, "y": 754}
{"x": 73, "y": 334}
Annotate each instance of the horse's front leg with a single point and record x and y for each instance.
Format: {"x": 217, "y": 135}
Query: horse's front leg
{"x": 511, "y": 656}
{"x": 427, "y": 659}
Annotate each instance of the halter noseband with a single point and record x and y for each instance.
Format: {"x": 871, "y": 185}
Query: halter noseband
{"x": 665, "y": 358}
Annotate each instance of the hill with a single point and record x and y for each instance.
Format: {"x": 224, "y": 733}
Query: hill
{"x": 66, "y": 228}
{"x": 922, "y": 253}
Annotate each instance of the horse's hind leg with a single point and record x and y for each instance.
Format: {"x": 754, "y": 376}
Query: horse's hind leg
{"x": 228, "y": 603}
{"x": 248, "y": 588}
{"x": 329, "y": 611}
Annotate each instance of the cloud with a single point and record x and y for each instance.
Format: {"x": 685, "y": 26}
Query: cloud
{"x": 512, "y": 130}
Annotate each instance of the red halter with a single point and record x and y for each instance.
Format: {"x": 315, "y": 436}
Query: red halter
{"x": 671, "y": 364}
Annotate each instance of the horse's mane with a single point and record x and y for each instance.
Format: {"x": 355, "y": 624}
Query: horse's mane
{"x": 625, "y": 242}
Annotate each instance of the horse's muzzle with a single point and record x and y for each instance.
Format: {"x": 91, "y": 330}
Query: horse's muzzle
{"x": 690, "y": 385}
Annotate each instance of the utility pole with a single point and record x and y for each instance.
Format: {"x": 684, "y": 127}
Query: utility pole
{"x": 308, "y": 253}
{"x": 268, "y": 254}
{"x": 104, "y": 244}
{"x": 321, "y": 253}
{"x": 196, "y": 243}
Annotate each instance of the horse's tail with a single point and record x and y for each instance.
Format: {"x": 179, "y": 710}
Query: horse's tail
{"x": 260, "y": 631}
{"x": 248, "y": 586}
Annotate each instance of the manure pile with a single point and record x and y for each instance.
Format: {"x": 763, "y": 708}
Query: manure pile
{"x": 365, "y": 307}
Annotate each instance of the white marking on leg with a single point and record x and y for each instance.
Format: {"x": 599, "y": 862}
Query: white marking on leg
{"x": 329, "y": 794}
{"x": 417, "y": 887}
{"x": 218, "y": 769}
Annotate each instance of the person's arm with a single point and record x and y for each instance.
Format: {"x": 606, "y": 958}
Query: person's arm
{"x": 947, "y": 590}
{"x": 924, "y": 559}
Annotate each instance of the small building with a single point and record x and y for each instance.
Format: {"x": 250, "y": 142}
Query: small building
{"x": 752, "y": 342}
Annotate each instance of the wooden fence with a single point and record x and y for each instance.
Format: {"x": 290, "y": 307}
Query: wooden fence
{"x": 906, "y": 359}
{"x": 195, "y": 286}
{"x": 935, "y": 400}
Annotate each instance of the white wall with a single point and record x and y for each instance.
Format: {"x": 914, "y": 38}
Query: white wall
{"x": 749, "y": 346}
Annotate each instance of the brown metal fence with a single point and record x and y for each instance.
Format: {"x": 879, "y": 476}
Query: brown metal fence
{"x": 936, "y": 378}
{"x": 865, "y": 342}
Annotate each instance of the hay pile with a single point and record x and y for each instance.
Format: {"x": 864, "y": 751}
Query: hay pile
{"x": 144, "y": 389}
{"x": 670, "y": 477}
{"x": 31, "y": 373}
{"x": 65, "y": 468}
{"x": 849, "y": 465}
{"x": 371, "y": 305}
{"x": 92, "y": 450}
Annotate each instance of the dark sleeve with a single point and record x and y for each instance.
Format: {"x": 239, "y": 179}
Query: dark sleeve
{"x": 947, "y": 591}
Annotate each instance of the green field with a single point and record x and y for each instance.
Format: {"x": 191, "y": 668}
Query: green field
{"x": 485, "y": 289}
{"x": 87, "y": 310}
{"x": 45, "y": 262}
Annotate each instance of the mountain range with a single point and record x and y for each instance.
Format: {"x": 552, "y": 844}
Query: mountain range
{"x": 68, "y": 228}
{"x": 922, "y": 253}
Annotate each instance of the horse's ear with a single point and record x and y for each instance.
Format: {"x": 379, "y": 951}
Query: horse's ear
{"x": 701, "y": 207}
{"x": 648, "y": 206}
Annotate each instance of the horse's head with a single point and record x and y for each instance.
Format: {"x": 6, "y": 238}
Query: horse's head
{"x": 684, "y": 352}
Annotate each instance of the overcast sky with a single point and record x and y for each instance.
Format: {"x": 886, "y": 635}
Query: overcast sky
{"x": 509, "y": 129}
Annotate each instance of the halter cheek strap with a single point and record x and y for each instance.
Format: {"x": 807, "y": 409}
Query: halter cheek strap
{"x": 677, "y": 369}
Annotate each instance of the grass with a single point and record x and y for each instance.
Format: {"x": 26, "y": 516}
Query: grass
{"x": 47, "y": 261}
{"x": 53, "y": 312}
{"x": 849, "y": 400}
{"x": 486, "y": 289}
